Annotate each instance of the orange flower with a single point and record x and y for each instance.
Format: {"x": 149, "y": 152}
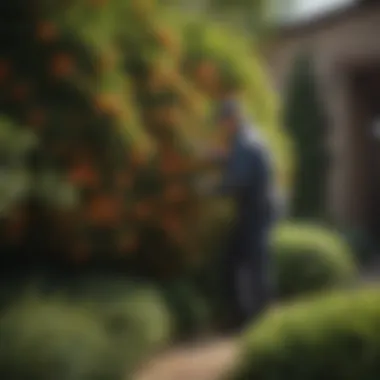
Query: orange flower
{"x": 109, "y": 103}
{"x": 136, "y": 158}
{"x": 104, "y": 210}
{"x": 164, "y": 37}
{"x": 84, "y": 174}
{"x": 171, "y": 163}
{"x": 168, "y": 39}
{"x": 62, "y": 65}
{"x": 173, "y": 115}
{"x": 207, "y": 75}
{"x": 205, "y": 70}
{"x": 47, "y": 31}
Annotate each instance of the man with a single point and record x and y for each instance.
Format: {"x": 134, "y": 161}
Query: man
{"x": 247, "y": 178}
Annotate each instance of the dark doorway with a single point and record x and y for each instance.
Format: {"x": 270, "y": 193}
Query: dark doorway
{"x": 366, "y": 141}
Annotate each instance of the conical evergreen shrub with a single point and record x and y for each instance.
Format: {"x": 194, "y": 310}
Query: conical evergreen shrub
{"x": 306, "y": 121}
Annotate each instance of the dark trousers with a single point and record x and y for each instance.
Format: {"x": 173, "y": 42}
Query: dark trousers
{"x": 248, "y": 280}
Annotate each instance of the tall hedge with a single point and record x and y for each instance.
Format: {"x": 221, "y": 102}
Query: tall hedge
{"x": 305, "y": 119}
{"x": 108, "y": 96}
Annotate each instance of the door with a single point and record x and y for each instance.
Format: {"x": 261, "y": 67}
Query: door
{"x": 367, "y": 94}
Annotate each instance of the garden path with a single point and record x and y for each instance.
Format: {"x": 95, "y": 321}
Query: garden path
{"x": 206, "y": 361}
{"x": 213, "y": 360}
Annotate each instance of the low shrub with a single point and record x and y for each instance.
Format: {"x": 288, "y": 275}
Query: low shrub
{"x": 134, "y": 313}
{"x": 102, "y": 333}
{"x": 188, "y": 306}
{"x": 331, "y": 337}
{"x": 310, "y": 258}
{"x": 42, "y": 340}
{"x": 306, "y": 258}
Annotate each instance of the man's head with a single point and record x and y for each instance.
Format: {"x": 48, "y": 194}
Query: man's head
{"x": 229, "y": 118}
{"x": 215, "y": 77}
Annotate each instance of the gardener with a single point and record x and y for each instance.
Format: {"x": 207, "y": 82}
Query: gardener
{"x": 247, "y": 178}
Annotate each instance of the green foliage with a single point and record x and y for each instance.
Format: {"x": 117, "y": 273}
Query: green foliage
{"x": 117, "y": 120}
{"x": 18, "y": 182}
{"x": 134, "y": 315}
{"x": 240, "y": 65}
{"x": 42, "y": 340}
{"x": 306, "y": 259}
{"x": 310, "y": 258}
{"x": 330, "y": 337}
{"x": 251, "y": 15}
{"x": 189, "y": 309}
{"x": 306, "y": 122}
{"x": 244, "y": 5}
{"x": 15, "y": 144}
{"x": 101, "y": 332}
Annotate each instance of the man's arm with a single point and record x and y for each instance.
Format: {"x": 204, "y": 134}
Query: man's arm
{"x": 264, "y": 190}
{"x": 235, "y": 177}
{"x": 238, "y": 173}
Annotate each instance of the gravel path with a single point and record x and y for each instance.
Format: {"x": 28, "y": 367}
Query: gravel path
{"x": 204, "y": 362}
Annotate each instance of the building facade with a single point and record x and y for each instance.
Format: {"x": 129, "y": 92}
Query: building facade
{"x": 345, "y": 46}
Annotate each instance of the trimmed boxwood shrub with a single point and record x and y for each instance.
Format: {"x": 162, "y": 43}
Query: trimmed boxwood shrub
{"x": 306, "y": 258}
{"x": 310, "y": 258}
{"x": 41, "y": 340}
{"x": 103, "y": 333}
{"x": 135, "y": 315}
{"x": 330, "y": 338}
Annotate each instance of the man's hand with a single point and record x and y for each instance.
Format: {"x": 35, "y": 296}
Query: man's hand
{"x": 215, "y": 155}
{"x": 207, "y": 185}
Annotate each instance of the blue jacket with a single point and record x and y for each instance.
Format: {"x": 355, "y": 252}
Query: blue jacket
{"x": 248, "y": 178}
